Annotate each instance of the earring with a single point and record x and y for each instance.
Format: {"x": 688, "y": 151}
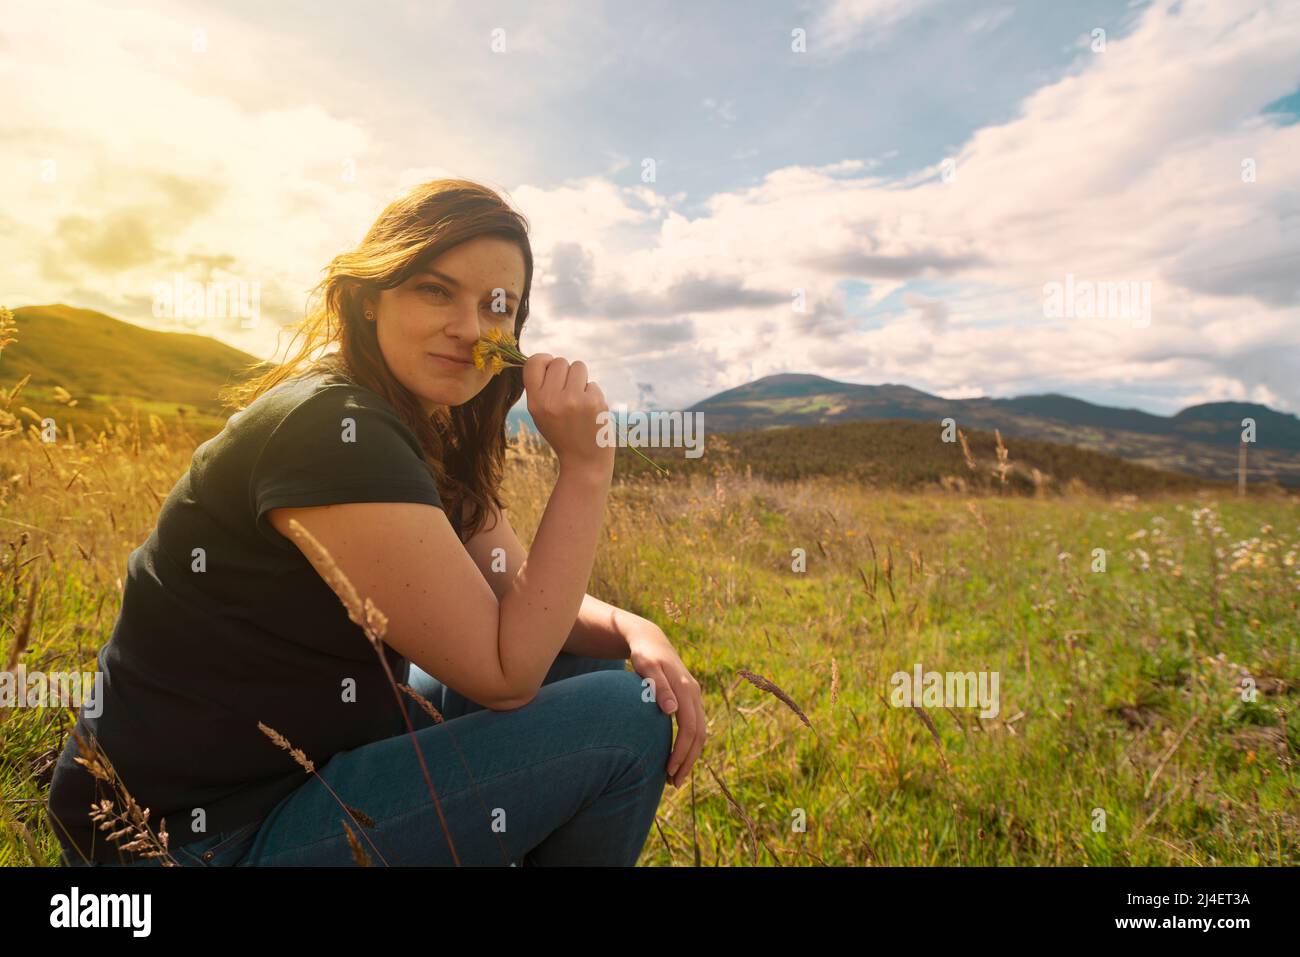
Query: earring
{"x": 370, "y": 316}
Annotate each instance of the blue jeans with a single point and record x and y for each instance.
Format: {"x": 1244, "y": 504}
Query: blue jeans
{"x": 572, "y": 778}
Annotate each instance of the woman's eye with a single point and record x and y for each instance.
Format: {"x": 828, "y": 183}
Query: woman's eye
{"x": 433, "y": 287}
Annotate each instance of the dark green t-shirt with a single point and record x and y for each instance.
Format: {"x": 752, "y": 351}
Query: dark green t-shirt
{"x": 224, "y": 623}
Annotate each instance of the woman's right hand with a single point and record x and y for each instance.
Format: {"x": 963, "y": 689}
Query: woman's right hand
{"x": 564, "y": 407}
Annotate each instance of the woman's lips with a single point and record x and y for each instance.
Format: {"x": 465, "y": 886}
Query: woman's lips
{"x": 447, "y": 363}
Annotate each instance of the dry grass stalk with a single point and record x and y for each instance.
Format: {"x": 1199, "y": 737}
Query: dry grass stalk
{"x": 23, "y": 636}
{"x": 871, "y": 589}
{"x": 835, "y": 682}
{"x": 25, "y": 631}
{"x": 1003, "y": 465}
{"x": 7, "y": 328}
{"x": 965, "y": 450}
{"x": 281, "y": 741}
{"x": 359, "y": 855}
{"x": 309, "y": 766}
{"x": 934, "y": 733}
{"x": 771, "y": 688}
{"x": 758, "y": 681}
{"x": 133, "y": 820}
{"x": 423, "y": 702}
{"x": 749, "y": 822}
{"x": 360, "y": 816}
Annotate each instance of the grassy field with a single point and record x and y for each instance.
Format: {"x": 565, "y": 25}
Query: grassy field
{"x": 1120, "y": 690}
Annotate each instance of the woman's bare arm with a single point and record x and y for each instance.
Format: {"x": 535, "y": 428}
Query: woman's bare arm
{"x": 600, "y": 629}
{"x": 442, "y": 614}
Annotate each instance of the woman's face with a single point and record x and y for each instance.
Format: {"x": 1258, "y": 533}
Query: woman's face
{"x": 442, "y": 311}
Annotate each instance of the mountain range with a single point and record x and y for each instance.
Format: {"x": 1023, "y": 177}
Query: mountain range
{"x": 1201, "y": 440}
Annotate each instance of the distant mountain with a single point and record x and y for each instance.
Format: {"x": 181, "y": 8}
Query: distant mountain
{"x": 1200, "y": 440}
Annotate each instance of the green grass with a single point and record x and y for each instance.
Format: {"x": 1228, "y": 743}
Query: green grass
{"x": 1100, "y": 674}
{"x": 1121, "y": 690}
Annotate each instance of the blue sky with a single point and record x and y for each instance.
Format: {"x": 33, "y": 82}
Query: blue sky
{"x": 921, "y": 170}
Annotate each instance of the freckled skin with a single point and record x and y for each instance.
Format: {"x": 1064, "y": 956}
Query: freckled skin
{"x": 425, "y": 315}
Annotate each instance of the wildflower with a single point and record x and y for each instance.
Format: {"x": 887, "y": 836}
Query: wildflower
{"x": 498, "y": 349}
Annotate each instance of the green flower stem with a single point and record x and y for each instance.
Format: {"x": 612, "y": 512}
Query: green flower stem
{"x": 518, "y": 359}
{"x": 648, "y": 459}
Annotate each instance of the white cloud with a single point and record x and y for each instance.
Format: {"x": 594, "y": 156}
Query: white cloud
{"x": 1128, "y": 168}
{"x": 986, "y": 21}
{"x": 842, "y": 25}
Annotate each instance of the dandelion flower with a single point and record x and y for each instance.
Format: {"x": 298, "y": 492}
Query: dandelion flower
{"x": 497, "y": 350}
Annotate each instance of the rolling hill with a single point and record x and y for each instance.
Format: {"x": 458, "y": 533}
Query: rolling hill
{"x": 1200, "y": 440}
{"x": 106, "y": 362}
{"x": 90, "y": 353}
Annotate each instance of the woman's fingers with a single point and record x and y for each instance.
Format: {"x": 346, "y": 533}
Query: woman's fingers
{"x": 690, "y": 731}
{"x": 535, "y": 372}
{"x": 696, "y": 705}
{"x": 576, "y": 380}
{"x": 665, "y": 697}
{"x": 557, "y": 370}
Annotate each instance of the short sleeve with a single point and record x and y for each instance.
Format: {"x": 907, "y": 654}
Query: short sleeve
{"x": 341, "y": 444}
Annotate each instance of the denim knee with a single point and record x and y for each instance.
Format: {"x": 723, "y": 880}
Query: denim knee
{"x": 620, "y": 696}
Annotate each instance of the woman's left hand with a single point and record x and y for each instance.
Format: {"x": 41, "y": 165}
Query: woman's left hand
{"x": 653, "y": 657}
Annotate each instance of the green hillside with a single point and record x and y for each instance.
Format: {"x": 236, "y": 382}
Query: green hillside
{"x": 106, "y": 363}
{"x": 910, "y": 455}
{"x": 1201, "y": 440}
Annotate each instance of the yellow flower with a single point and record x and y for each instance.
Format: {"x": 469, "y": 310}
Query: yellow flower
{"x": 496, "y": 350}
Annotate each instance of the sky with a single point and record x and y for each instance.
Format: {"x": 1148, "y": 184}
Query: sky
{"x": 924, "y": 192}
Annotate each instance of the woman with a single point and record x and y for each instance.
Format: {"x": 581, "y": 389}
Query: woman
{"x": 388, "y": 450}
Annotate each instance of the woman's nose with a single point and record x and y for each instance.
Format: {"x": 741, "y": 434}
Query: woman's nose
{"x": 466, "y": 323}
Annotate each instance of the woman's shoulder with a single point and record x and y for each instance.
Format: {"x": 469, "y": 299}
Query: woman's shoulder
{"x": 323, "y": 389}
{"x": 321, "y": 413}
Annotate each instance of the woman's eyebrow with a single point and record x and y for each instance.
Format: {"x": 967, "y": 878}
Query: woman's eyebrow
{"x": 455, "y": 283}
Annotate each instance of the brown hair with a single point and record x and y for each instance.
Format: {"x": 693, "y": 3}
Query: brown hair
{"x": 464, "y": 445}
